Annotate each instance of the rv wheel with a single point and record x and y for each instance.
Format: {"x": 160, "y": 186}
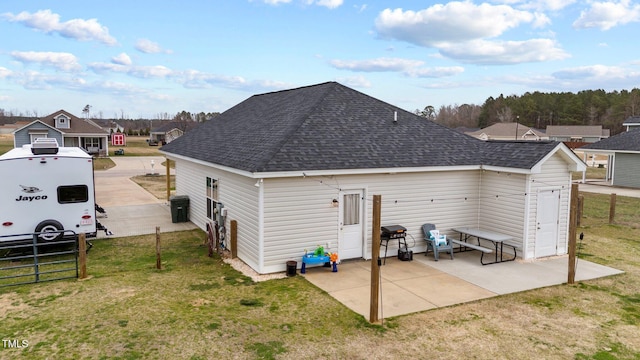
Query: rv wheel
{"x": 50, "y": 226}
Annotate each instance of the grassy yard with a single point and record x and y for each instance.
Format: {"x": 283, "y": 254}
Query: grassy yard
{"x": 6, "y": 143}
{"x": 136, "y": 146}
{"x": 198, "y": 307}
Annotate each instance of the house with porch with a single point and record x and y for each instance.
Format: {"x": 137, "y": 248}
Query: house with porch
{"x": 68, "y": 130}
{"x": 299, "y": 168}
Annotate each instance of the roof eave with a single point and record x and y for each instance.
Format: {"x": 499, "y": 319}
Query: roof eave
{"x": 363, "y": 171}
{"x": 573, "y": 161}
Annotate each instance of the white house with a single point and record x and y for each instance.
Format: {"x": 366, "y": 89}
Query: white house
{"x": 298, "y": 168}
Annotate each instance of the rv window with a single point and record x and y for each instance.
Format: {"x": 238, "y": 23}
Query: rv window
{"x": 73, "y": 194}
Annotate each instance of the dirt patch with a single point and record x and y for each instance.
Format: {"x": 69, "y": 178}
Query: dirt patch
{"x": 240, "y": 266}
{"x": 155, "y": 184}
{"x": 10, "y": 303}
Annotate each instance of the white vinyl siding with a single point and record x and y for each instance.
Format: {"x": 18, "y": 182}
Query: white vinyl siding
{"x": 298, "y": 212}
{"x": 278, "y": 218}
{"x": 502, "y": 205}
{"x": 627, "y": 170}
{"x": 238, "y": 195}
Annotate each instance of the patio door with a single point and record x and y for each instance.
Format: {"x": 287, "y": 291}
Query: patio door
{"x": 547, "y": 223}
{"x": 351, "y": 227}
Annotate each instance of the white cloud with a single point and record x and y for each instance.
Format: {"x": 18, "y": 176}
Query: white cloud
{"x": 355, "y": 81}
{"x": 470, "y": 33}
{"x": 34, "y": 80}
{"x": 157, "y": 71}
{"x": 276, "y": 2}
{"x": 142, "y": 72}
{"x": 546, "y": 5}
{"x": 593, "y": 72}
{"x": 412, "y": 68}
{"x": 79, "y": 29}
{"x": 4, "y": 72}
{"x": 360, "y": 8}
{"x": 379, "y": 64}
{"x": 60, "y": 61}
{"x": 121, "y": 59}
{"x": 435, "y": 72}
{"x": 605, "y": 15}
{"x": 150, "y": 47}
{"x": 452, "y": 22}
{"x": 331, "y": 4}
{"x": 504, "y": 52}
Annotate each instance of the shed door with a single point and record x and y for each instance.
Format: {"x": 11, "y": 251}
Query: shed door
{"x": 351, "y": 224}
{"x": 547, "y": 223}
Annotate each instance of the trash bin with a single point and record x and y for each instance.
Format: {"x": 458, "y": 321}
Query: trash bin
{"x": 179, "y": 208}
{"x": 291, "y": 268}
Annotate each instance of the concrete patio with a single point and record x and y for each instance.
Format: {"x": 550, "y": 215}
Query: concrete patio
{"x": 423, "y": 284}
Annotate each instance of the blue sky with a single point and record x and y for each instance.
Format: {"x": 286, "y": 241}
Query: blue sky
{"x": 146, "y": 59}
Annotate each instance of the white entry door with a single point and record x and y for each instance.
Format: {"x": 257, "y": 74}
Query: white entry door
{"x": 351, "y": 239}
{"x": 547, "y": 223}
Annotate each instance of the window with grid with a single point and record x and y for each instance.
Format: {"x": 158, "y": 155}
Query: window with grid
{"x": 212, "y": 197}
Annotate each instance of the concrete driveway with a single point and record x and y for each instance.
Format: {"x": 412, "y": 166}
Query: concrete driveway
{"x": 602, "y": 187}
{"x": 131, "y": 210}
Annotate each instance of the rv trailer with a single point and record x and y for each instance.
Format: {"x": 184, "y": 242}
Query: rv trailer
{"x": 48, "y": 190}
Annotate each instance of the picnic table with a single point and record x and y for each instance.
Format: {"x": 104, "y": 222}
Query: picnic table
{"x": 497, "y": 240}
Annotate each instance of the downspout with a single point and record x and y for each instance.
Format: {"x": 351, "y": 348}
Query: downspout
{"x": 527, "y": 222}
{"x": 261, "y": 186}
{"x": 611, "y": 169}
{"x": 479, "y": 197}
{"x": 584, "y": 173}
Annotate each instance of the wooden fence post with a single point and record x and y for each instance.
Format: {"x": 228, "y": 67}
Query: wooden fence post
{"x": 375, "y": 257}
{"x": 82, "y": 256}
{"x": 158, "y": 257}
{"x": 612, "y": 209}
{"x": 234, "y": 238}
{"x": 573, "y": 222}
{"x": 580, "y": 208}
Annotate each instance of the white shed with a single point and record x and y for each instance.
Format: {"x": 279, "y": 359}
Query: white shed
{"x": 298, "y": 168}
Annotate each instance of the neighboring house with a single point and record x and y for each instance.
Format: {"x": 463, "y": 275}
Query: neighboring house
{"x": 68, "y": 129}
{"x": 577, "y": 133}
{"x": 508, "y": 131}
{"x": 623, "y": 157}
{"x": 168, "y": 131}
{"x": 113, "y": 127}
{"x": 633, "y": 122}
{"x": 299, "y": 168}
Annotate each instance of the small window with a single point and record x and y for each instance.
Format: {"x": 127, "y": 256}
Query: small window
{"x": 212, "y": 197}
{"x": 70, "y": 194}
{"x": 351, "y": 212}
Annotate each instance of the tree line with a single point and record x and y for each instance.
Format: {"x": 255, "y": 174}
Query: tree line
{"x": 538, "y": 109}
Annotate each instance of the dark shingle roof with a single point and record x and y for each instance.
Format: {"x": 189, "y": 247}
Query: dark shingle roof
{"x": 78, "y": 125}
{"x": 516, "y": 154}
{"x": 626, "y": 141}
{"x": 332, "y": 127}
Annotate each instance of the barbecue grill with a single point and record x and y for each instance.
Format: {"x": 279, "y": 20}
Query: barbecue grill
{"x": 395, "y": 232}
